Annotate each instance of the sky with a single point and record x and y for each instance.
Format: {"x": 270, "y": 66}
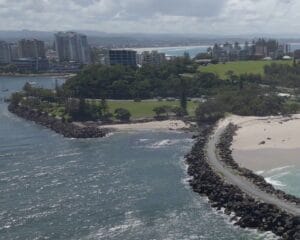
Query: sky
{"x": 222, "y": 17}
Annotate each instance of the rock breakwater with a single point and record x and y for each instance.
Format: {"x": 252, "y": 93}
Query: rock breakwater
{"x": 66, "y": 129}
{"x": 225, "y": 153}
{"x": 249, "y": 212}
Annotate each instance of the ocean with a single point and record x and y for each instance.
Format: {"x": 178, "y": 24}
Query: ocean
{"x": 192, "y": 50}
{"x": 177, "y": 51}
{"x": 284, "y": 176}
{"x": 127, "y": 186}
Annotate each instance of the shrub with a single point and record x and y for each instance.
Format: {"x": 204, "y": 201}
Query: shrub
{"x": 209, "y": 112}
{"x": 16, "y": 98}
{"x": 122, "y": 114}
{"x": 179, "y": 112}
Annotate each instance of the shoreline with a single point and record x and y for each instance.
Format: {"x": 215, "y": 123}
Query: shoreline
{"x": 151, "y": 125}
{"x": 225, "y": 155}
{"x": 140, "y": 49}
{"x": 64, "y": 75}
{"x": 94, "y": 130}
{"x": 249, "y": 212}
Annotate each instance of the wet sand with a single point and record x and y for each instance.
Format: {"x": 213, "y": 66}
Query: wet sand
{"x": 266, "y": 159}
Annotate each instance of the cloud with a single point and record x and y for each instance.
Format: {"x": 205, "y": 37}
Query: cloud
{"x": 181, "y": 16}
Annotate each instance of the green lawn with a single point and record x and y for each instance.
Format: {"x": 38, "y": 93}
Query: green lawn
{"x": 240, "y": 67}
{"x": 145, "y": 108}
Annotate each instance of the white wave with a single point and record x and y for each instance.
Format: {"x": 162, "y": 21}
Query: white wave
{"x": 163, "y": 143}
{"x": 130, "y": 223}
{"x": 7, "y": 155}
{"x": 273, "y": 176}
{"x": 274, "y": 182}
{"x": 67, "y": 155}
{"x": 259, "y": 172}
{"x": 144, "y": 140}
{"x": 41, "y": 174}
{"x": 186, "y": 182}
{"x": 256, "y": 234}
{"x": 279, "y": 175}
{"x": 110, "y": 134}
{"x": 279, "y": 169}
{"x": 170, "y": 142}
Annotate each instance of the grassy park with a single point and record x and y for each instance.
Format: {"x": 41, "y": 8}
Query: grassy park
{"x": 240, "y": 67}
{"x": 145, "y": 108}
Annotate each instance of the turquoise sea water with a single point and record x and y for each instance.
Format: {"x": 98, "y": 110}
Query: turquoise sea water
{"x": 285, "y": 176}
{"x": 127, "y": 186}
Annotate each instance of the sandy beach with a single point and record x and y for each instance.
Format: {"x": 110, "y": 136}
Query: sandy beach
{"x": 264, "y": 143}
{"x": 154, "y": 125}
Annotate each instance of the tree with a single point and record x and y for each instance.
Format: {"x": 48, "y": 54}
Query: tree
{"x": 11, "y": 68}
{"x": 209, "y": 112}
{"x": 293, "y": 108}
{"x": 104, "y": 106}
{"x": 179, "y": 112}
{"x": 122, "y": 114}
{"x": 183, "y": 97}
{"x": 231, "y": 76}
{"x": 71, "y": 105}
{"x": 27, "y": 88}
{"x": 159, "y": 111}
{"x": 82, "y": 107}
{"x": 16, "y": 98}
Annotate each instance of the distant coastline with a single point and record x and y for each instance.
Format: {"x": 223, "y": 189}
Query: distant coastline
{"x": 170, "y": 47}
{"x": 65, "y": 75}
{"x": 177, "y": 51}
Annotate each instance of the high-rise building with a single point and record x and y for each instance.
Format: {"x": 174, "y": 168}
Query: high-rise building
{"x": 31, "y": 48}
{"x": 152, "y": 58}
{"x": 72, "y": 47}
{"x": 122, "y": 57}
{"x": 14, "y": 50}
{"x": 5, "y": 53}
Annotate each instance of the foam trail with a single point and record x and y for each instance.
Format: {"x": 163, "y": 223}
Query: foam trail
{"x": 279, "y": 169}
{"x": 274, "y": 182}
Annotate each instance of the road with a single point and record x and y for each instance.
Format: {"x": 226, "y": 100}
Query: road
{"x": 244, "y": 184}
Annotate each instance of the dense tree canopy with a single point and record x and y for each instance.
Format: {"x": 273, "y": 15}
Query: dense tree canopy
{"x": 246, "y": 102}
{"x": 120, "y": 82}
{"x": 282, "y": 74}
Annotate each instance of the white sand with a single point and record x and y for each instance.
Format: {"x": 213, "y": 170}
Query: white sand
{"x": 275, "y": 132}
{"x": 155, "y": 125}
{"x": 266, "y": 143}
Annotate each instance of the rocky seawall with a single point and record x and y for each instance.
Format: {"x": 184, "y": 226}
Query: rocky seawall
{"x": 225, "y": 153}
{"x": 248, "y": 212}
{"x": 66, "y": 129}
